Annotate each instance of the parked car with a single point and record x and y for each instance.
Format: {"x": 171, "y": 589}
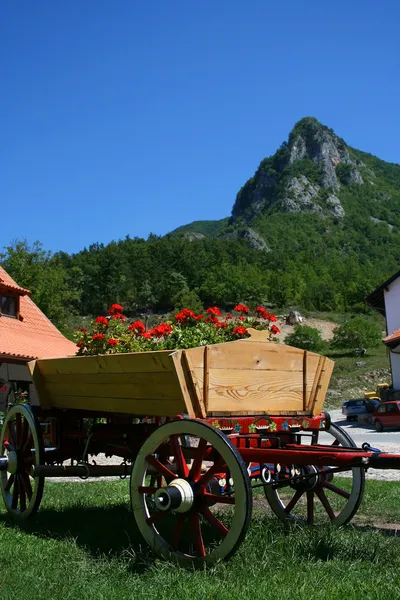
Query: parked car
{"x": 387, "y": 414}
{"x": 360, "y": 406}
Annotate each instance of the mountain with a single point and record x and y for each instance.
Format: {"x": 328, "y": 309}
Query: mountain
{"x": 314, "y": 172}
{"x": 325, "y": 212}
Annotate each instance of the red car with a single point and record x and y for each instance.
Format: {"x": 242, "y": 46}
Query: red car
{"x": 387, "y": 415}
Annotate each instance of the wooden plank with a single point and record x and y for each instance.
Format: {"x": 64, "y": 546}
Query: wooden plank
{"x": 196, "y": 391}
{"x": 256, "y": 402}
{"x": 326, "y": 374}
{"x": 186, "y": 384}
{"x": 253, "y": 356}
{"x": 134, "y": 407}
{"x": 228, "y": 381}
{"x": 305, "y": 380}
{"x": 169, "y": 390}
{"x": 311, "y": 399}
{"x": 140, "y": 379}
{"x": 134, "y": 362}
{"x": 42, "y": 394}
{"x": 205, "y": 378}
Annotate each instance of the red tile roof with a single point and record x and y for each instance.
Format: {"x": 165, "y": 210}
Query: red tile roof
{"x": 35, "y": 336}
{"x": 393, "y": 339}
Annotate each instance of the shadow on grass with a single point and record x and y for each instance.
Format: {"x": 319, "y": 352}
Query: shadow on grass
{"x": 101, "y": 531}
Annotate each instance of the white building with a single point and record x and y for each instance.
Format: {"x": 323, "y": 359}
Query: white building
{"x": 386, "y": 300}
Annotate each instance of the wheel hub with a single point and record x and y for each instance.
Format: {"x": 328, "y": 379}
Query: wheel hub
{"x": 308, "y": 479}
{"x": 178, "y": 496}
{"x": 12, "y": 466}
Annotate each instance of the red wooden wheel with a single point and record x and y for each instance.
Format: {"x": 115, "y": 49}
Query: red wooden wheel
{"x": 21, "y": 442}
{"x": 318, "y": 497}
{"x": 192, "y": 501}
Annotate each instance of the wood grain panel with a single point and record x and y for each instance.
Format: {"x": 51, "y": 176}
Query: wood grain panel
{"x": 139, "y": 362}
{"x": 138, "y": 406}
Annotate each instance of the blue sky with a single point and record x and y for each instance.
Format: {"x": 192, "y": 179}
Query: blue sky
{"x": 133, "y": 117}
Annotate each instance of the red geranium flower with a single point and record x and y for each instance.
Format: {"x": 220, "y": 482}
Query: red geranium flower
{"x": 147, "y": 335}
{"x": 242, "y": 318}
{"x": 82, "y": 329}
{"x": 261, "y": 312}
{"x": 221, "y": 325}
{"x": 115, "y": 308}
{"x": 211, "y": 319}
{"x": 98, "y": 336}
{"x": 228, "y": 316}
{"x": 270, "y": 317}
{"x": 119, "y": 317}
{"x": 112, "y": 342}
{"x": 161, "y": 330}
{"x": 137, "y": 327}
{"x": 79, "y": 344}
{"x": 198, "y": 318}
{"x": 101, "y": 320}
{"x": 184, "y": 315}
{"x": 275, "y": 329}
{"x": 214, "y": 310}
{"x": 240, "y": 330}
{"x": 241, "y": 308}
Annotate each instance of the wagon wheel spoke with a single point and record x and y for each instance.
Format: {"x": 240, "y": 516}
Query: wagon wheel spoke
{"x": 325, "y": 503}
{"x": 336, "y": 490}
{"x": 9, "y": 483}
{"x": 195, "y": 470}
{"x": 22, "y": 494}
{"x": 217, "y": 467}
{"x": 178, "y": 531}
{"x": 18, "y": 427}
{"x": 28, "y": 441}
{"x": 149, "y": 490}
{"x": 156, "y": 516}
{"x": 14, "y": 501}
{"x": 213, "y": 521}
{"x": 27, "y": 485}
{"x": 160, "y": 468}
{"x": 197, "y": 538}
{"x": 310, "y": 507}
{"x": 219, "y": 499}
{"x": 181, "y": 465}
{"x": 289, "y": 507}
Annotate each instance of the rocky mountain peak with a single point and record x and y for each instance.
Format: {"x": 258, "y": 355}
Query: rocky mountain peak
{"x": 305, "y": 174}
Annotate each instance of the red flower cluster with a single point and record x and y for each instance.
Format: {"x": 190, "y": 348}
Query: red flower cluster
{"x": 240, "y": 330}
{"x": 112, "y": 342}
{"x": 115, "y": 309}
{"x": 98, "y": 336}
{"x": 263, "y": 314}
{"x": 137, "y": 327}
{"x": 160, "y": 330}
{"x": 185, "y": 315}
{"x": 214, "y": 310}
{"x": 101, "y": 320}
{"x": 242, "y": 308}
{"x": 275, "y": 329}
{"x": 211, "y": 319}
{"x": 119, "y": 317}
{"x": 221, "y": 325}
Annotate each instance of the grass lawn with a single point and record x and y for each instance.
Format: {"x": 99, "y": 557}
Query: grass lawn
{"x": 83, "y": 544}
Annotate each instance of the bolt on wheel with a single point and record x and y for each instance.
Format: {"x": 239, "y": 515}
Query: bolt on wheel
{"x": 21, "y": 443}
{"x": 312, "y": 495}
{"x": 192, "y": 503}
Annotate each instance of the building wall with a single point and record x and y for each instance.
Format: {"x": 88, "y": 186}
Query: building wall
{"x": 392, "y": 305}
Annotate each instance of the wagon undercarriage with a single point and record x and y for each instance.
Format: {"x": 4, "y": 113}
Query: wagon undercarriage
{"x": 192, "y": 482}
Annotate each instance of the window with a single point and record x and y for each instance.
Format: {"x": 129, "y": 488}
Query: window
{"x": 9, "y": 305}
{"x": 392, "y": 408}
{"x": 382, "y": 408}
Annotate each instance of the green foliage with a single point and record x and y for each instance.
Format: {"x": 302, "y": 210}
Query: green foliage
{"x": 307, "y": 338}
{"x": 359, "y": 332}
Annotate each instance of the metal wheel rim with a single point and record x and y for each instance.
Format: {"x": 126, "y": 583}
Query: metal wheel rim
{"x": 238, "y": 471}
{"x": 37, "y": 483}
{"x": 278, "y": 506}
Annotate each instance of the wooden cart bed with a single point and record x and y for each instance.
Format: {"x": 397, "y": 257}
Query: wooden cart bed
{"x": 252, "y": 376}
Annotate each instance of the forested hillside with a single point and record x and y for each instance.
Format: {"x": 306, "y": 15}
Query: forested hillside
{"x": 317, "y": 226}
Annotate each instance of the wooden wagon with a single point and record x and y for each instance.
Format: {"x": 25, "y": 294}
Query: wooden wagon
{"x": 197, "y": 430}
